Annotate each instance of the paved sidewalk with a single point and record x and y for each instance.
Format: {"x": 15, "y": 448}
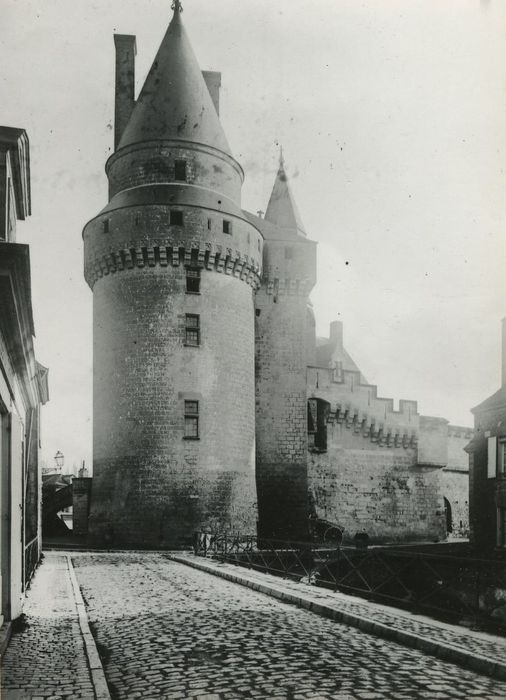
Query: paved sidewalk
{"x": 50, "y": 656}
{"x": 484, "y": 653}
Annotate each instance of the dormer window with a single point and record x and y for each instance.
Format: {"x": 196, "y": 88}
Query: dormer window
{"x": 180, "y": 170}
{"x": 176, "y": 218}
{"x": 227, "y": 226}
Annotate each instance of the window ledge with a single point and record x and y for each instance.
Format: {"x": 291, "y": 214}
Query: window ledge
{"x": 195, "y": 293}
{"x": 191, "y": 345}
{"x": 190, "y": 437}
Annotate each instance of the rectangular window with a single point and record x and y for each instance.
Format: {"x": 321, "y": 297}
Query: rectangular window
{"x": 176, "y": 218}
{"x": 180, "y": 170}
{"x": 191, "y": 420}
{"x": 192, "y": 280}
{"x": 227, "y": 226}
{"x": 192, "y": 329}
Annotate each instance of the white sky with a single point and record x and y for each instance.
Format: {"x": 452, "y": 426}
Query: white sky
{"x": 392, "y": 115}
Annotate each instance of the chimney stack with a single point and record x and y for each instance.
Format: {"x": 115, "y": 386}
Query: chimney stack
{"x": 126, "y": 50}
{"x": 336, "y": 334}
{"x": 213, "y": 82}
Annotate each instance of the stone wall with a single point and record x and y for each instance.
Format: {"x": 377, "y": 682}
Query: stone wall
{"x": 152, "y": 486}
{"x": 382, "y": 469}
{"x": 362, "y": 486}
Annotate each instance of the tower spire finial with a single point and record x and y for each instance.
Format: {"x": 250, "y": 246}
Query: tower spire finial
{"x": 176, "y": 6}
{"x": 281, "y": 157}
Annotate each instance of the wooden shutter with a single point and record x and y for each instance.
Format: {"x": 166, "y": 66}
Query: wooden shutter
{"x": 492, "y": 458}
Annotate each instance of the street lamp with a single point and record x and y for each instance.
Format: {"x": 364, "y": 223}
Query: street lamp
{"x": 59, "y": 459}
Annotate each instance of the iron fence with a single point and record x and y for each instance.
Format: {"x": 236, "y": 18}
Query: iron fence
{"x": 449, "y": 587}
{"x": 31, "y": 560}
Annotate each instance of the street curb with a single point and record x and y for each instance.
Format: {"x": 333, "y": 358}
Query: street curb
{"x": 5, "y": 635}
{"x": 96, "y": 669}
{"x": 446, "y": 652}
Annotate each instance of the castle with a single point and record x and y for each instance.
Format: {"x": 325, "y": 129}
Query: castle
{"x": 215, "y": 405}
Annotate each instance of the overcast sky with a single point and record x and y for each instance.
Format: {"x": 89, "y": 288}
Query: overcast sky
{"x": 392, "y": 116}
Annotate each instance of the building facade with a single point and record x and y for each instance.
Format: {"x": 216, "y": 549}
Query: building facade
{"x": 211, "y": 396}
{"x": 487, "y": 467}
{"x": 23, "y": 385}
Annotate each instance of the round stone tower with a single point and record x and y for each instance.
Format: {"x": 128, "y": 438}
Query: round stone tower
{"x": 173, "y": 264}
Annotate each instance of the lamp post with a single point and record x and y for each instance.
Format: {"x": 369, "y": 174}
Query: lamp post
{"x": 59, "y": 459}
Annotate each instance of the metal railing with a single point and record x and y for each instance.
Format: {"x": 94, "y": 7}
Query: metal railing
{"x": 31, "y": 560}
{"x": 450, "y": 587}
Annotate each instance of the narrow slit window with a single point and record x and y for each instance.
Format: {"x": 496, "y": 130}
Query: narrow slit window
{"x": 192, "y": 280}
{"x": 227, "y": 226}
{"x": 192, "y": 330}
{"x": 180, "y": 170}
{"x": 209, "y": 223}
{"x": 191, "y": 420}
{"x": 176, "y": 218}
{"x": 106, "y": 225}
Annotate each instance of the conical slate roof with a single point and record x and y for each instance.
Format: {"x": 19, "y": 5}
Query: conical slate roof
{"x": 174, "y": 102}
{"x": 282, "y": 210}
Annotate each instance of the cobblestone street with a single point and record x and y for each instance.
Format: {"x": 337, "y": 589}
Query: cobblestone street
{"x": 166, "y": 630}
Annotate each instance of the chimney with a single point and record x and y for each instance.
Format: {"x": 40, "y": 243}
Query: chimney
{"x": 213, "y": 82}
{"x": 336, "y": 334}
{"x": 126, "y": 50}
{"x": 503, "y": 352}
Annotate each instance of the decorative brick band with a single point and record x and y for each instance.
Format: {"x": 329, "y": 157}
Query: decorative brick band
{"x": 207, "y": 256}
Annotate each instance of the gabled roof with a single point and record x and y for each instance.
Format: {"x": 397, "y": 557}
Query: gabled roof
{"x": 175, "y": 102}
{"x": 282, "y": 210}
{"x": 497, "y": 399}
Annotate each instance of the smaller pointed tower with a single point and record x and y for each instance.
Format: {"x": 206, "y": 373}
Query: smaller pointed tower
{"x": 281, "y": 357}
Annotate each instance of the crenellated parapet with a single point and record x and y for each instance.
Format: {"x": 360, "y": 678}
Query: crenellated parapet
{"x": 357, "y": 407}
{"x": 346, "y": 386}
